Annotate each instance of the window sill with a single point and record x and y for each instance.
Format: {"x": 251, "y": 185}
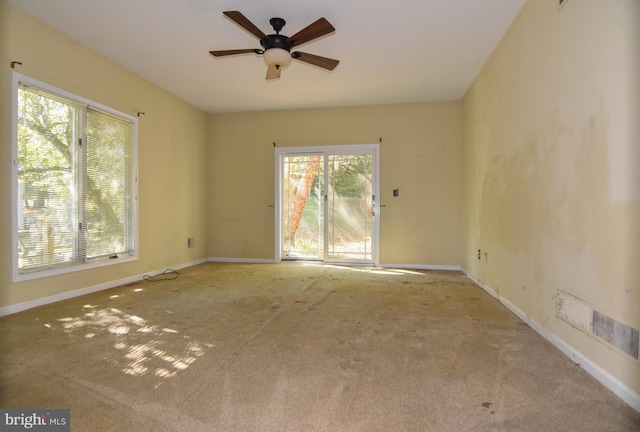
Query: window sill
{"x": 39, "y": 274}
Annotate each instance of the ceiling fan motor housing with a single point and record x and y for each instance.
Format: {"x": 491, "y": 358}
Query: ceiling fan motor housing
{"x": 276, "y": 40}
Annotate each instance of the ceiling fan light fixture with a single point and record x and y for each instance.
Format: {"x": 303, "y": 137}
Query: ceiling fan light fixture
{"x": 278, "y": 57}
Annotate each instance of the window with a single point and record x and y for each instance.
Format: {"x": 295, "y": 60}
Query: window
{"x": 74, "y": 182}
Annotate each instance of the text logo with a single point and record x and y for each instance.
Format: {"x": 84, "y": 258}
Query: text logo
{"x": 40, "y": 420}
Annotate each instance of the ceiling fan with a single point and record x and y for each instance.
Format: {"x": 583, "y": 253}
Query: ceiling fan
{"x": 277, "y": 48}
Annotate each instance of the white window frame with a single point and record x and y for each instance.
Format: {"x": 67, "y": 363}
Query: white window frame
{"x": 17, "y": 79}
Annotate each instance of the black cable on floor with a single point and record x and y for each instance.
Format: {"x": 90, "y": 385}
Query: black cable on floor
{"x": 160, "y": 276}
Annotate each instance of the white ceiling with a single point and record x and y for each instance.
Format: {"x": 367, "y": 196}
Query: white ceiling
{"x": 389, "y": 51}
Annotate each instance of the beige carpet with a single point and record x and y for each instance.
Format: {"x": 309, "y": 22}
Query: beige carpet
{"x": 292, "y": 347}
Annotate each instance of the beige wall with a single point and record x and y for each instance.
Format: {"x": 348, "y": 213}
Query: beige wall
{"x": 420, "y": 156}
{"x": 551, "y": 169}
{"x": 172, "y": 149}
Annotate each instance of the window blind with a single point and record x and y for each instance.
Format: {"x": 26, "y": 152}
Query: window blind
{"x": 75, "y": 182}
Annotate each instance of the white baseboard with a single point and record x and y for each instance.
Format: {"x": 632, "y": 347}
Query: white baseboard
{"x": 19, "y": 307}
{"x": 605, "y": 378}
{"x": 422, "y": 266}
{"x": 241, "y": 260}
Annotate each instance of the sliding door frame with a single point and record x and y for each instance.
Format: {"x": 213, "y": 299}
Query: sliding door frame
{"x": 281, "y": 152}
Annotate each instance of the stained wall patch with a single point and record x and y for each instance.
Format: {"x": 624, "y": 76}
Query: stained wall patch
{"x": 619, "y": 335}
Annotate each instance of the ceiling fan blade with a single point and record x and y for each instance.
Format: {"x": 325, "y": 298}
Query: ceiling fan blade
{"x": 221, "y": 53}
{"x": 273, "y": 72}
{"x": 314, "y": 30}
{"x": 244, "y": 22}
{"x": 315, "y": 60}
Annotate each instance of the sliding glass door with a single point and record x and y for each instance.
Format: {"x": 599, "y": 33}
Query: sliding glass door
{"x": 302, "y": 206}
{"x": 350, "y": 207}
{"x": 326, "y": 203}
